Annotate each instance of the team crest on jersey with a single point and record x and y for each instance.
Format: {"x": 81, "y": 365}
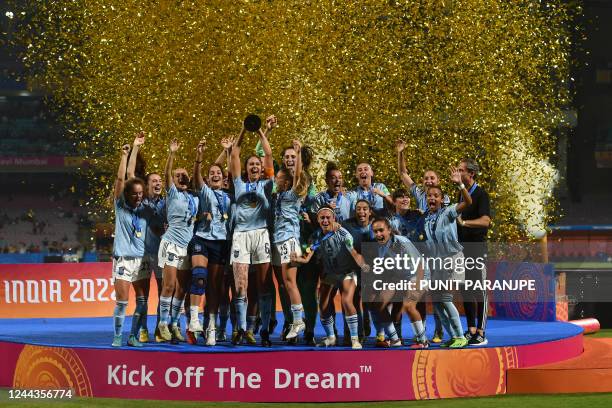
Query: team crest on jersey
{"x": 170, "y": 257}
{"x": 120, "y": 270}
{"x": 197, "y": 248}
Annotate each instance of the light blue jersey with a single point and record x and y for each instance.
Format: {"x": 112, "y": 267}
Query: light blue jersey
{"x": 286, "y": 216}
{"x": 420, "y": 197}
{"x": 130, "y": 229}
{"x": 218, "y": 204}
{"x": 343, "y": 204}
{"x": 359, "y": 233}
{"x": 410, "y": 225}
{"x": 334, "y": 251}
{"x": 399, "y": 245}
{"x": 155, "y": 227}
{"x": 376, "y": 202}
{"x": 441, "y": 231}
{"x": 252, "y": 203}
{"x": 182, "y": 209}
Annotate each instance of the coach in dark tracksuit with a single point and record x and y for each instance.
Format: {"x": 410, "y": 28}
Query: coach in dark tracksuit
{"x": 472, "y": 229}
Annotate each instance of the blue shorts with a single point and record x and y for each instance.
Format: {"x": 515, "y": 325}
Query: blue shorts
{"x": 216, "y": 251}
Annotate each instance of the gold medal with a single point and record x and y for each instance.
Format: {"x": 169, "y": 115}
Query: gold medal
{"x": 138, "y": 234}
{"x": 308, "y": 250}
{"x": 225, "y": 216}
{"x": 421, "y": 237}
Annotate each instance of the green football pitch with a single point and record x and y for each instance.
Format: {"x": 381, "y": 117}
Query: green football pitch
{"x": 510, "y": 401}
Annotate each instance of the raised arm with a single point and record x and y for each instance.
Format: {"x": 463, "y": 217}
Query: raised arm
{"x": 467, "y": 198}
{"x": 138, "y": 141}
{"x": 400, "y": 145}
{"x": 224, "y": 155}
{"x": 120, "y": 181}
{"x": 386, "y": 196}
{"x": 271, "y": 123}
{"x": 297, "y": 146}
{"x": 173, "y": 148}
{"x": 235, "y": 155}
{"x": 197, "y": 165}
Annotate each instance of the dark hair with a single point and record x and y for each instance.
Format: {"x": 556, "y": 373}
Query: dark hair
{"x": 363, "y": 200}
{"x": 307, "y": 154}
{"x": 129, "y": 186}
{"x": 382, "y": 219}
{"x": 471, "y": 166}
{"x": 400, "y": 192}
{"x": 331, "y": 166}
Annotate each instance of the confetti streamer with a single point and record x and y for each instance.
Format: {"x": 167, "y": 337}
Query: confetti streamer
{"x": 480, "y": 78}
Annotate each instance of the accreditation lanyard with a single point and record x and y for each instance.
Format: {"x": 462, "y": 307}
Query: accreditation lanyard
{"x": 469, "y": 192}
{"x": 136, "y": 221}
{"x": 191, "y": 206}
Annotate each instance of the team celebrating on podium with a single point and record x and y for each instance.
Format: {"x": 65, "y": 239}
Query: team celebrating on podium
{"x": 238, "y": 238}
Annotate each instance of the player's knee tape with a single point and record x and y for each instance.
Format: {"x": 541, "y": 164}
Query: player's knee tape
{"x": 199, "y": 275}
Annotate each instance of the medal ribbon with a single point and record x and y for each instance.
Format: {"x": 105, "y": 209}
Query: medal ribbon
{"x": 136, "y": 222}
{"x": 221, "y": 202}
{"x": 318, "y": 243}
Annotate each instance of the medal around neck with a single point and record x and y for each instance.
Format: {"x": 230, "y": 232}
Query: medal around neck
{"x": 252, "y": 123}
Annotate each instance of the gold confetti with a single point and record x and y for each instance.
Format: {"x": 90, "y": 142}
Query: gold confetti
{"x": 478, "y": 78}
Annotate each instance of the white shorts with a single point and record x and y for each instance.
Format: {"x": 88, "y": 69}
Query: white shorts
{"x": 251, "y": 247}
{"x": 150, "y": 264}
{"x": 173, "y": 255}
{"x": 126, "y": 268}
{"x": 336, "y": 280}
{"x": 281, "y": 251}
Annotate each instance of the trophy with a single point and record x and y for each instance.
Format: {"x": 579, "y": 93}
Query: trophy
{"x": 252, "y": 123}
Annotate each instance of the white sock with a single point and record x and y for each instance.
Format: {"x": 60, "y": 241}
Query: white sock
{"x": 212, "y": 320}
{"x": 194, "y": 310}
